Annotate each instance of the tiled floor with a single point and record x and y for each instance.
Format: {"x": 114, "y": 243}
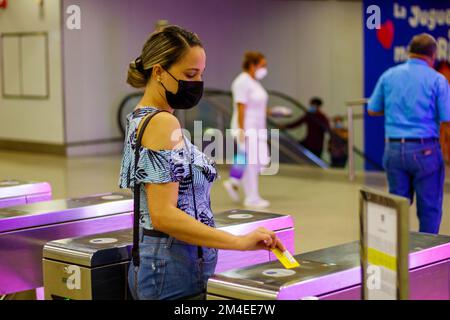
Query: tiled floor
{"x": 323, "y": 203}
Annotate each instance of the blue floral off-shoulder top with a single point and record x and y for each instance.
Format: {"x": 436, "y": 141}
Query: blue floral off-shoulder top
{"x": 163, "y": 166}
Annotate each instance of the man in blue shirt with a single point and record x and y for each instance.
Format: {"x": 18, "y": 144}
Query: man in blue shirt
{"x": 415, "y": 99}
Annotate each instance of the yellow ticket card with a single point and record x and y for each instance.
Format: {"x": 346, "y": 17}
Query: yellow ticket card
{"x": 286, "y": 259}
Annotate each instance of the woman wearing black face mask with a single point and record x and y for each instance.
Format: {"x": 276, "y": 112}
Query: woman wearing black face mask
{"x": 175, "y": 240}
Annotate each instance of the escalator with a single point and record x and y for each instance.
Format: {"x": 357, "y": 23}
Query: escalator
{"x": 215, "y": 111}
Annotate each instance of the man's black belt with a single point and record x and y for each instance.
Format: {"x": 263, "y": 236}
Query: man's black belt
{"x": 420, "y": 140}
{"x": 154, "y": 233}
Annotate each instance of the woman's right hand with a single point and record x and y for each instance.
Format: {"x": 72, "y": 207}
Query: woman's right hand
{"x": 260, "y": 239}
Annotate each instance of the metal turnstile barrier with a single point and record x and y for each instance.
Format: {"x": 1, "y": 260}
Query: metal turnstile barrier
{"x": 24, "y": 230}
{"x": 17, "y": 192}
{"x": 335, "y": 274}
{"x": 239, "y": 222}
{"x": 96, "y": 267}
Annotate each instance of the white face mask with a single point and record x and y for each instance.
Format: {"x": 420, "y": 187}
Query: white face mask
{"x": 260, "y": 73}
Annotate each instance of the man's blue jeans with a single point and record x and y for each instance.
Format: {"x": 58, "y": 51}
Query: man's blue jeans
{"x": 418, "y": 168}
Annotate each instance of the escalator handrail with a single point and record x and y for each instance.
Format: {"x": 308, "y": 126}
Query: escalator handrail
{"x": 302, "y": 107}
{"x": 228, "y": 93}
{"x": 312, "y": 157}
{"x": 213, "y": 91}
{"x": 287, "y": 151}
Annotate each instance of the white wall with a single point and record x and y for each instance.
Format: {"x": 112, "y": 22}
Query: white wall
{"x": 35, "y": 120}
{"x": 313, "y": 48}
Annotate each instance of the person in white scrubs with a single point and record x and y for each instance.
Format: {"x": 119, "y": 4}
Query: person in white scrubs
{"x": 250, "y": 116}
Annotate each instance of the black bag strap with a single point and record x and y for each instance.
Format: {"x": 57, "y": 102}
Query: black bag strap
{"x": 137, "y": 192}
{"x": 199, "y": 248}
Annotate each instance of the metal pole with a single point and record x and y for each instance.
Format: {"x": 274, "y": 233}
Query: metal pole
{"x": 351, "y": 155}
{"x": 351, "y": 134}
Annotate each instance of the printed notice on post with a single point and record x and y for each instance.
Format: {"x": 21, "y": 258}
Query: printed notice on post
{"x": 381, "y": 252}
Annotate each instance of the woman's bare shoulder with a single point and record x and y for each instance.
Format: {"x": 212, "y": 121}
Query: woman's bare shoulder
{"x": 163, "y": 132}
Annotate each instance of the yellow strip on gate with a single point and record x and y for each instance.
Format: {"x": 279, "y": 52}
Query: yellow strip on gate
{"x": 382, "y": 259}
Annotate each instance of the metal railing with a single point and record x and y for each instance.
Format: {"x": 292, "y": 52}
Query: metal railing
{"x": 352, "y": 150}
{"x": 351, "y": 135}
{"x": 290, "y": 147}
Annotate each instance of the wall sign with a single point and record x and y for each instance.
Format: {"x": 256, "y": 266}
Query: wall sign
{"x": 386, "y": 46}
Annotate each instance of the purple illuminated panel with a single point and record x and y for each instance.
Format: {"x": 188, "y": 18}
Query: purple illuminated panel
{"x": 60, "y": 211}
{"x": 21, "y": 257}
{"x": 231, "y": 259}
{"x": 283, "y": 225}
{"x": 11, "y": 202}
{"x": 335, "y": 274}
{"x": 32, "y": 198}
{"x": 15, "y": 192}
{"x": 24, "y": 230}
{"x": 431, "y": 282}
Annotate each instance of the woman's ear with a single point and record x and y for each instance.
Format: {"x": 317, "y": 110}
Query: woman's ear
{"x": 156, "y": 72}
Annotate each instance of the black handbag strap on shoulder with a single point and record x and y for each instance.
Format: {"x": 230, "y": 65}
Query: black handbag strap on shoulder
{"x": 137, "y": 191}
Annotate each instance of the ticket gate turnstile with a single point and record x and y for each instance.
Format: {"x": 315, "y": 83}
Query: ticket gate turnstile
{"x": 18, "y": 192}
{"x": 24, "y": 230}
{"x": 334, "y": 274}
{"x": 96, "y": 267}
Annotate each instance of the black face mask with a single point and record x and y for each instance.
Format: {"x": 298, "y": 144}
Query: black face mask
{"x": 188, "y": 95}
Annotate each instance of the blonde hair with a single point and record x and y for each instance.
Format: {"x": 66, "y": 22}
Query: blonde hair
{"x": 164, "y": 47}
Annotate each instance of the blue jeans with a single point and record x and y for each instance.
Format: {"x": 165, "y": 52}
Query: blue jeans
{"x": 418, "y": 168}
{"x": 170, "y": 269}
